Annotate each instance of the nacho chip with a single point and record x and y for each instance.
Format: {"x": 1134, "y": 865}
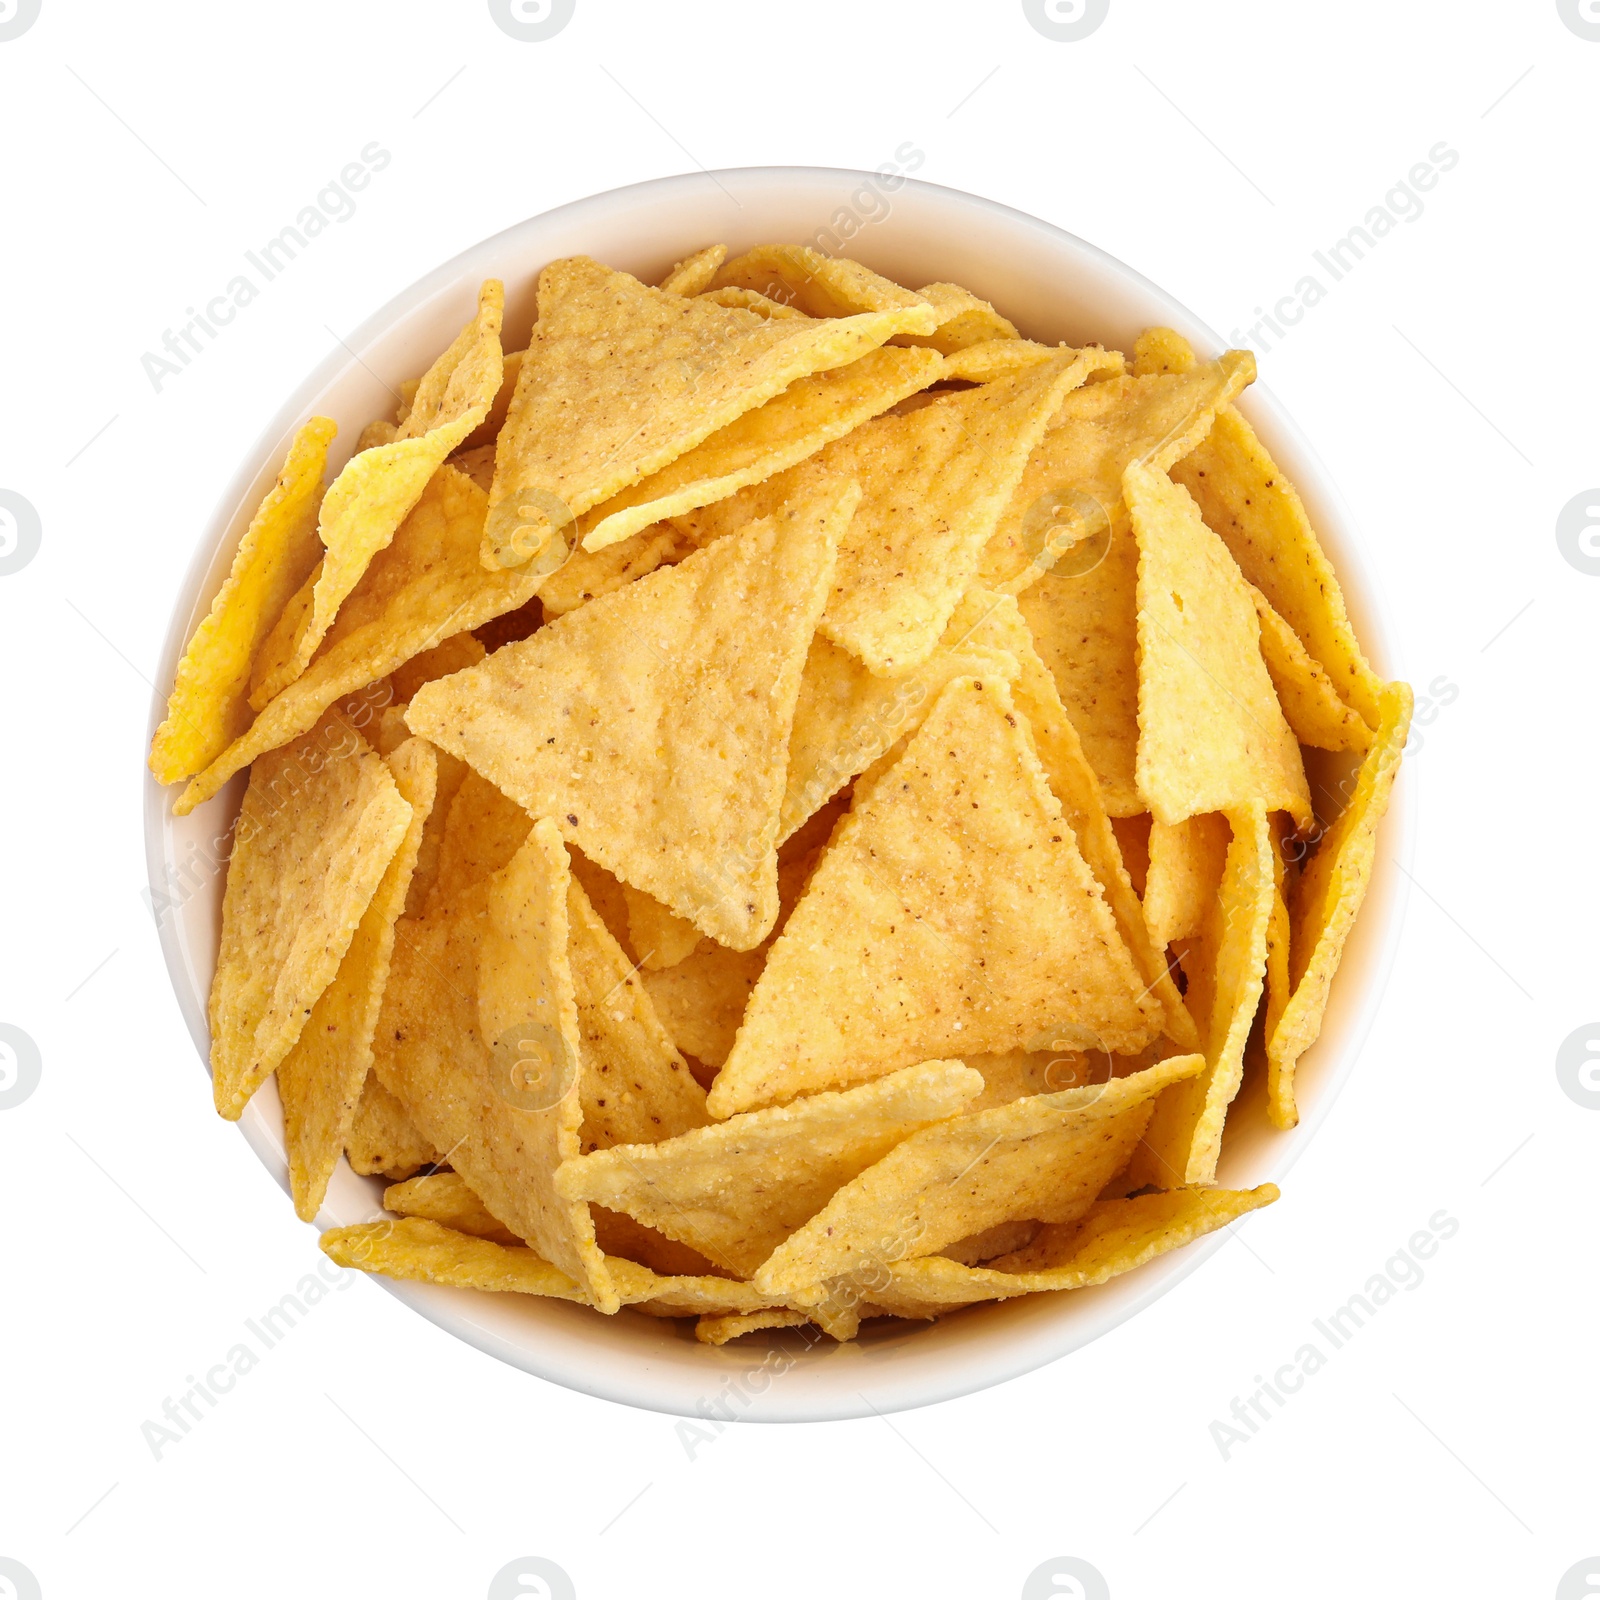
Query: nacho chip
{"x": 653, "y": 724}
{"x": 320, "y": 821}
{"x": 662, "y": 939}
{"x": 1113, "y": 1237}
{"x": 1327, "y": 898}
{"x": 987, "y": 617}
{"x": 1185, "y": 874}
{"x": 378, "y": 487}
{"x": 208, "y": 707}
{"x": 1226, "y": 967}
{"x": 425, "y": 587}
{"x": 455, "y": 654}
{"x": 383, "y": 1139}
{"x": 749, "y": 300}
{"x": 719, "y": 1330}
{"x": 482, "y": 831}
{"x": 429, "y": 1252}
{"x": 1158, "y": 350}
{"x": 952, "y": 910}
{"x": 822, "y": 286}
{"x": 694, "y": 273}
{"x": 620, "y": 1235}
{"x": 476, "y": 464}
{"x": 1311, "y": 704}
{"x": 1211, "y": 734}
{"x": 1279, "y": 1104}
{"x": 1003, "y": 358}
{"x": 1043, "y": 1159}
{"x": 1072, "y": 490}
{"x": 320, "y": 1080}
{"x": 484, "y": 435}
{"x": 964, "y": 320}
{"x": 590, "y": 574}
{"x": 787, "y": 429}
{"x": 737, "y": 1189}
{"x": 445, "y": 1198}
{"x": 621, "y": 379}
{"x": 475, "y": 994}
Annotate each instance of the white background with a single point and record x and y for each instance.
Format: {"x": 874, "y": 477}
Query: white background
{"x": 1447, "y": 382}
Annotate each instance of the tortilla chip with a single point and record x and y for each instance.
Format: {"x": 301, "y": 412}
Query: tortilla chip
{"x": 1226, "y": 967}
{"x": 1004, "y": 358}
{"x": 1113, "y": 1237}
{"x": 653, "y": 724}
{"x": 1043, "y": 1159}
{"x": 986, "y": 617}
{"x": 1185, "y": 875}
{"x": 482, "y": 831}
{"x": 320, "y": 822}
{"x": 478, "y": 465}
{"x": 209, "y": 704}
{"x": 425, "y": 587}
{"x": 1211, "y": 734}
{"x": 964, "y": 320}
{"x": 1072, "y": 490}
{"x": 749, "y": 300}
{"x": 621, "y": 379}
{"x": 737, "y": 1189}
{"x": 428, "y": 1252}
{"x": 662, "y": 938}
{"x": 787, "y": 429}
{"x": 1327, "y": 898}
{"x": 379, "y": 486}
{"x": 1311, "y": 704}
{"x": 694, "y": 273}
{"x": 320, "y": 1079}
{"x": 1161, "y": 350}
{"x": 719, "y": 1330}
{"x": 1084, "y": 618}
{"x": 445, "y": 1198}
{"x": 590, "y": 574}
{"x": 474, "y": 993}
{"x": 951, "y": 911}
{"x": 822, "y": 286}
{"x": 1280, "y": 1094}
{"x": 620, "y": 1235}
{"x": 488, "y": 430}
{"x": 383, "y": 1139}
{"x": 455, "y": 654}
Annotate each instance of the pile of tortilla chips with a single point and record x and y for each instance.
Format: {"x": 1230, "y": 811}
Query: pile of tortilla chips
{"x": 783, "y": 803}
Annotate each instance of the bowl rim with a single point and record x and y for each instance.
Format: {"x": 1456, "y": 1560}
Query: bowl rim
{"x": 1387, "y": 897}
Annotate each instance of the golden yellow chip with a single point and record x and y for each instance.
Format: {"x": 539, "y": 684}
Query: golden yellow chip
{"x": 425, "y": 587}
{"x": 1184, "y": 874}
{"x": 653, "y": 724}
{"x": 1113, "y": 1237}
{"x": 1212, "y": 736}
{"x": 1226, "y": 967}
{"x": 1072, "y": 491}
{"x": 1161, "y": 350}
{"x": 478, "y": 465}
{"x": 1043, "y": 1158}
{"x": 459, "y": 651}
{"x": 622, "y": 379}
{"x": 432, "y": 1253}
{"x": 208, "y": 707}
{"x": 590, "y": 574}
{"x": 822, "y": 286}
{"x": 694, "y": 273}
{"x": 378, "y": 487}
{"x": 482, "y": 831}
{"x": 319, "y": 1081}
{"x": 737, "y": 1189}
{"x": 749, "y": 300}
{"x": 485, "y": 433}
{"x": 383, "y": 1139}
{"x": 964, "y": 320}
{"x": 719, "y": 1330}
{"x": 320, "y": 821}
{"x": 951, "y": 911}
{"x": 662, "y": 939}
{"x": 763, "y": 442}
{"x": 1311, "y": 704}
{"x": 445, "y": 1198}
{"x": 1327, "y": 898}
{"x": 1004, "y": 358}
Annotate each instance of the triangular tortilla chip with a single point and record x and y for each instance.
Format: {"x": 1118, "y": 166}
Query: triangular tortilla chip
{"x": 320, "y": 1079}
{"x": 1311, "y": 704}
{"x": 1072, "y": 489}
{"x": 819, "y": 285}
{"x": 749, "y": 300}
{"x": 209, "y": 704}
{"x": 446, "y": 1198}
{"x": 787, "y": 429}
{"x": 736, "y": 1190}
{"x": 989, "y": 618}
{"x": 1184, "y": 875}
{"x": 1044, "y": 1158}
{"x": 320, "y": 821}
{"x": 653, "y": 724}
{"x": 662, "y": 938}
{"x": 719, "y": 1330}
{"x": 378, "y": 487}
{"x": 694, "y": 273}
{"x": 1327, "y": 898}
{"x": 1226, "y": 967}
{"x": 1212, "y": 736}
{"x": 455, "y": 654}
{"x": 1083, "y": 617}
{"x": 482, "y": 831}
{"x": 478, "y": 1040}
{"x": 383, "y": 1139}
{"x": 590, "y": 574}
{"x": 951, "y": 911}
{"x": 425, "y": 587}
{"x": 964, "y": 320}
{"x": 1112, "y": 1237}
{"x": 621, "y": 379}
{"x": 1004, "y": 358}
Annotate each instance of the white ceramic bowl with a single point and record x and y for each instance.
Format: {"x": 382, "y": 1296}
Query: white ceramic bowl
{"x": 1055, "y": 287}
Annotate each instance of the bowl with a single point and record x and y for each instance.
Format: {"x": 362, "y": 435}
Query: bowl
{"x": 1055, "y": 287}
